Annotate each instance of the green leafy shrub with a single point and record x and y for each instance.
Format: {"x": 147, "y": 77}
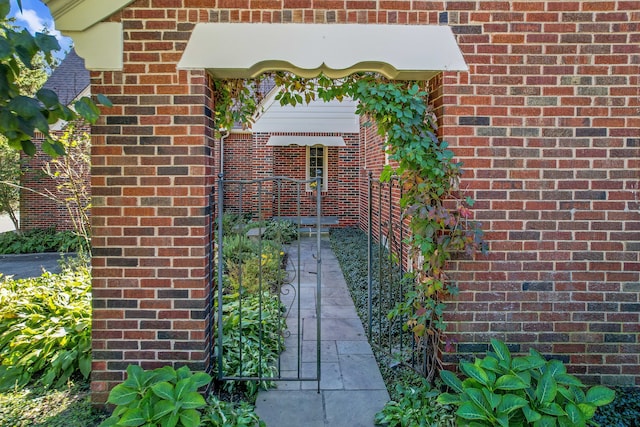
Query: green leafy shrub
{"x": 282, "y": 231}
{"x": 624, "y": 411}
{"x": 521, "y": 391}
{"x": 234, "y": 223}
{"x": 415, "y": 407}
{"x": 161, "y": 397}
{"x": 238, "y": 248}
{"x": 45, "y": 328}
{"x": 252, "y": 329}
{"x": 258, "y": 272}
{"x": 41, "y": 240}
{"x": 219, "y": 413}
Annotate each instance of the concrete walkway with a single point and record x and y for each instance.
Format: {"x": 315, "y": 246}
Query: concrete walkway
{"x": 351, "y": 387}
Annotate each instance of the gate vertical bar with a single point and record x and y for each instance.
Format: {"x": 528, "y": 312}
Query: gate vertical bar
{"x": 299, "y": 280}
{"x": 370, "y": 260}
{"x": 319, "y": 272}
{"x": 390, "y": 266}
{"x": 220, "y": 270}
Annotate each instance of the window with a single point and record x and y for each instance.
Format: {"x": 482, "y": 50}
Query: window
{"x": 317, "y": 164}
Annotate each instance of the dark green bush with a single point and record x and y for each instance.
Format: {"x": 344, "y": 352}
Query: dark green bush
{"x": 281, "y": 231}
{"x": 41, "y": 240}
{"x": 624, "y": 411}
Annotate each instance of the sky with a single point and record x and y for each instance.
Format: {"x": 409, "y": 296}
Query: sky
{"x": 35, "y": 16}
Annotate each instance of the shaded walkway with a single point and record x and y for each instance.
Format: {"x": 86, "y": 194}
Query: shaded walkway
{"x": 351, "y": 389}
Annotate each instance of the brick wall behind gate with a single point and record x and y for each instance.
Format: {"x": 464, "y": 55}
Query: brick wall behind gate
{"x": 546, "y": 121}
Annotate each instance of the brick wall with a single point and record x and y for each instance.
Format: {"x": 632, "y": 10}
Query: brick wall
{"x": 546, "y": 121}
{"x": 340, "y": 199}
{"x": 152, "y": 175}
{"x": 41, "y": 206}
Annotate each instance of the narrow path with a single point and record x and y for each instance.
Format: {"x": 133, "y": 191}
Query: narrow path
{"x": 351, "y": 388}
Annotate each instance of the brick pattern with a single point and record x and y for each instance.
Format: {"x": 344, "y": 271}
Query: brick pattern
{"x": 248, "y": 156}
{"x": 546, "y": 121}
{"x": 37, "y": 207}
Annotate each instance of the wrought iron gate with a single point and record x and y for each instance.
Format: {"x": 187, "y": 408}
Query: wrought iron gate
{"x": 388, "y": 260}
{"x": 256, "y": 319}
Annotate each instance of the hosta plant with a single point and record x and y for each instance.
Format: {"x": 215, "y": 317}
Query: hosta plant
{"x": 45, "y": 328}
{"x": 219, "y": 413}
{"x": 502, "y": 390}
{"x": 415, "y": 407}
{"x": 162, "y": 397}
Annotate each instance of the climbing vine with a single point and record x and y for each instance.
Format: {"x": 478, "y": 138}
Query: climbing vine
{"x": 438, "y": 213}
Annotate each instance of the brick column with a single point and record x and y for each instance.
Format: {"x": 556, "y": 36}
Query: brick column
{"x": 151, "y": 178}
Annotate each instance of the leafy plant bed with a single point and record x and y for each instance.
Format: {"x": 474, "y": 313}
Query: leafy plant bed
{"x": 624, "y": 411}
{"x": 40, "y": 240}
{"x": 45, "y": 328}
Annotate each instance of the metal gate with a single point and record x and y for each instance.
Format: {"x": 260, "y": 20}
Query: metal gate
{"x": 388, "y": 261}
{"x": 259, "y": 334}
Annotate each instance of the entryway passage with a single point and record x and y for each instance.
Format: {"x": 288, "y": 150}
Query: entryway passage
{"x": 351, "y": 386}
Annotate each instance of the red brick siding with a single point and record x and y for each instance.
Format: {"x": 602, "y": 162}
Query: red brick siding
{"x": 37, "y": 207}
{"x": 340, "y": 199}
{"x": 545, "y": 120}
{"x": 546, "y": 123}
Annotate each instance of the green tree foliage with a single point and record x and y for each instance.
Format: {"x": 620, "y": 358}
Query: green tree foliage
{"x": 28, "y": 82}
{"x": 22, "y": 115}
{"x": 9, "y": 182}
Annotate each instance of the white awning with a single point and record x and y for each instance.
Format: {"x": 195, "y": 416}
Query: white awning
{"x": 328, "y": 141}
{"x": 402, "y": 52}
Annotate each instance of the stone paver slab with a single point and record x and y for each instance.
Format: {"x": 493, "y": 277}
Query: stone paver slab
{"x": 353, "y": 408}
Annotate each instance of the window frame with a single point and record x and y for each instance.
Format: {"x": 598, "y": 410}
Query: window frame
{"x": 325, "y": 168}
